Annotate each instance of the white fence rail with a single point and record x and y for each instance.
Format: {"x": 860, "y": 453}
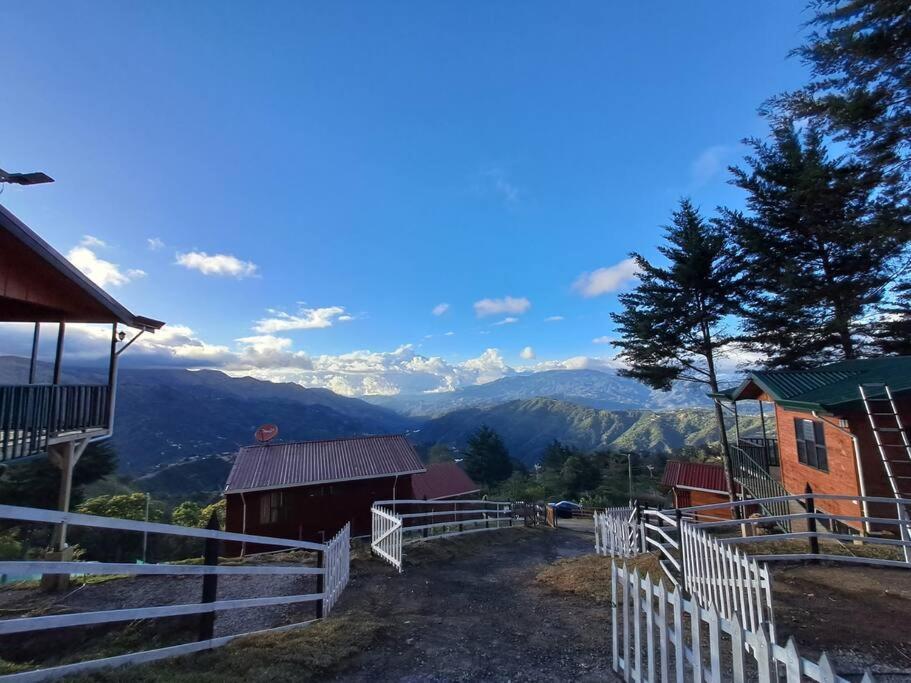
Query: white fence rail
{"x": 737, "y": 586}
{"x": 396, "y": 522}
{"x": 821, "y": 526}
{"x": 651, "y": 640}
{"x": 331, "y": 571}
{"x": 616, "y": 534}
{"x": 386, "y": 535}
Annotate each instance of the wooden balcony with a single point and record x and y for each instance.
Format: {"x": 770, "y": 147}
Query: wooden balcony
{"x": 763, "y": 452}
{"x": 35, "y": 416}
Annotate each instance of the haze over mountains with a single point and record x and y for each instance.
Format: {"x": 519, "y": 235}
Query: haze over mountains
{"x": 168, "y": 415}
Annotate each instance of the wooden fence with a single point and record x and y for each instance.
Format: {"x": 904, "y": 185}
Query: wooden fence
{"x": 330, "y": 570}
{"x": 396, "y": 522}
{"x": 661, "y": 635}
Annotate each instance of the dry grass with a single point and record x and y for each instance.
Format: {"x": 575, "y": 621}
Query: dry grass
{"x": 589, "y": 576}
{"x": 310, "y": 653}
{"x": 796, "y": 547}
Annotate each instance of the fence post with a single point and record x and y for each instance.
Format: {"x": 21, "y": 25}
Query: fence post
{"x": 426, "y": 532}
{"x": 679, "y": 516}
{"x": 321, "y": 582}
{"x": 209, "y": 581}
{"x": 643, "y": 544}
{"x": 811, "y": 522}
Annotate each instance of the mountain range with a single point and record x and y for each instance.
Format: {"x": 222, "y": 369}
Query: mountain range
{"x": 591, "y": 388}
{"x": 166, "y": 416}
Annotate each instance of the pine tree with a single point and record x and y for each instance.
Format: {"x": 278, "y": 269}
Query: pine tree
{"x": 892, "y": 333}
{"x": 486, "y": 458}
{"x": 672, "y": 325}
{"x": 860, "y": 92}
{"x": 818, "y": 245}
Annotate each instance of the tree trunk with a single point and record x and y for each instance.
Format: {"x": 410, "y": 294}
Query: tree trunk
{"x": 719, "y": 416}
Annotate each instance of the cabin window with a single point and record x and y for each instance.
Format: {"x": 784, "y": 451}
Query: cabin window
{"x": 811, "y": 443}
{"x": 271, "y": 506}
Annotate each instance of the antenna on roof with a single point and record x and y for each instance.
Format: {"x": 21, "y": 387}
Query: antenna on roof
{"x": 266, "y": 433}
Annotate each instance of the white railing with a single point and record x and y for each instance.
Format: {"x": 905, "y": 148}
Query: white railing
{"x": 651, "y": 640}
{"x": 330, "y": 571}
{"x": 821, "y": 525}
{"x": 616, "y": 534}
{"x": 736, "y": 585}
{"x": 396, "y": 522}
{"x": 386, "y": 535}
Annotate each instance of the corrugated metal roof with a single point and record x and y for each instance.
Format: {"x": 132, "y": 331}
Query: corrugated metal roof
{"x": 304, "y": 463}
{"x": 831, "y": 387}
{"x": 696, "y": 475}
{"x": 442, "y": 480}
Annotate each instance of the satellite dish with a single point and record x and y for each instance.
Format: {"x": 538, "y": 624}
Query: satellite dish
{"x": 266, "y": 433}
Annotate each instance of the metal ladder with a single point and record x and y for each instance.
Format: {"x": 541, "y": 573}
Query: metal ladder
{"x": 879, "y": 403}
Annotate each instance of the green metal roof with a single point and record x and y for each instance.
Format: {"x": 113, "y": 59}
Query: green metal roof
{"x": 832, "y": 387}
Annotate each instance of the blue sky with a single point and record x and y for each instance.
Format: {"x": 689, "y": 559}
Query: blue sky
{"x": 363, "y": 163}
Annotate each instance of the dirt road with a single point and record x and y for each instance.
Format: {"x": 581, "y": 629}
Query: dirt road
{"x": 479, "y": 616}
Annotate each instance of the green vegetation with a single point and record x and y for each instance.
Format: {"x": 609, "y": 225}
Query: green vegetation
{"x": 486, "y": 458}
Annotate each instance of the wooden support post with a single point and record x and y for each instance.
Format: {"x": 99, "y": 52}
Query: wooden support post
{"x": 209, "y": 581}
{"x": 321, "y": 583}
{"x": 33, "y": 364}
{"x": 426, "y": 532}
{"x": 811, "y": 522}
{"x": 58, "y": 356}
{"x": 641, "y": 528}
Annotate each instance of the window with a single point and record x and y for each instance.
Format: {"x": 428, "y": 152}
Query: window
{"x": 271, "y": 507}
{"x": 811, "y": 443}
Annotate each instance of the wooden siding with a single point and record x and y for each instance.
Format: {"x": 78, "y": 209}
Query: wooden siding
{"x": 316, "y": 513}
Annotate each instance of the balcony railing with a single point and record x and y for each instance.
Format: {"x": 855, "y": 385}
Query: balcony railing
{"x": 763, "y": 452}
{"x": 34, "y": 415}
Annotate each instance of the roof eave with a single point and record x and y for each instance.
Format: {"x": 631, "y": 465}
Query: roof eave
{"x": 53, "y": 258}
{"x": 295, "y": 485}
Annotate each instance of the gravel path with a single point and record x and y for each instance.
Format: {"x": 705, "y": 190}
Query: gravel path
{"x": 479, "y": 616}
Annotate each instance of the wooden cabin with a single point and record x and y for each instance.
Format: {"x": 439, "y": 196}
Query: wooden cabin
{"x": 308, "y": 490}
{"x": 825, "y": 438}
{"x": 696, "y": 483}
{"x": 40, "y": 287}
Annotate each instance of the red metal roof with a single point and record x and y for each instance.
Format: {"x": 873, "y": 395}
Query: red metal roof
{"x": 303, "y": 463}
{"x": 694, "y": 475}
{"x": 442, "y": 480}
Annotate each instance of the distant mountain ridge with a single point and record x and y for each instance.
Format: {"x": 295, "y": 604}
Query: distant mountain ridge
{"x": 591, "y": 388}
{"x": 528, "y": 426}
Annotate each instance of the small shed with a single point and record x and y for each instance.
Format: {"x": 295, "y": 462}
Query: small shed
{"x": 308, "y": 490}
{"x": 697, "y": 483}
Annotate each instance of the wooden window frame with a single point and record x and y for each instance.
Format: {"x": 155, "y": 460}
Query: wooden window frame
{"x": 272, "y": 507}
{"x": 811, "y": 452}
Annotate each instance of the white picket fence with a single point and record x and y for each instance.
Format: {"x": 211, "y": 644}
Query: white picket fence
{"x": 651, "y": 641}
{"x": 337, "y": 562}
{"x": 616, "y": 534}
{"x": 736, "y": 585}
{"x": 331, "y": 573}
{"x": 386, "y": 535}
{"x": 394, "y": 521}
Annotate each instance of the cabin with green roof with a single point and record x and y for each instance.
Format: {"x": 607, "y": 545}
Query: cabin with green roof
{"x": 834, "y": 428}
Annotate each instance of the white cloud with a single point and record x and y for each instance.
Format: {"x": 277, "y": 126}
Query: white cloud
{"x": 602, "y": 340}
{"x": 553, "y": 318}
{"x": 508, "y": 304}
{"x": 496, "y": 180}
{"x": 305, "y": 319}
{"x": 440, "y": 309}
{"x": 507, "y": 321}
{"x": 709, "y": 163}
{"x": 224, "y": 265}
{"x": 449, "y": 334}
{"x": 527, "y": 353}
{"x": 92, "y": 242}
{"x": 604, "y": 280}
{"x": 154, "y": 243}
{"x": 603, "y": 363}
{"x": 101, "y": 272}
